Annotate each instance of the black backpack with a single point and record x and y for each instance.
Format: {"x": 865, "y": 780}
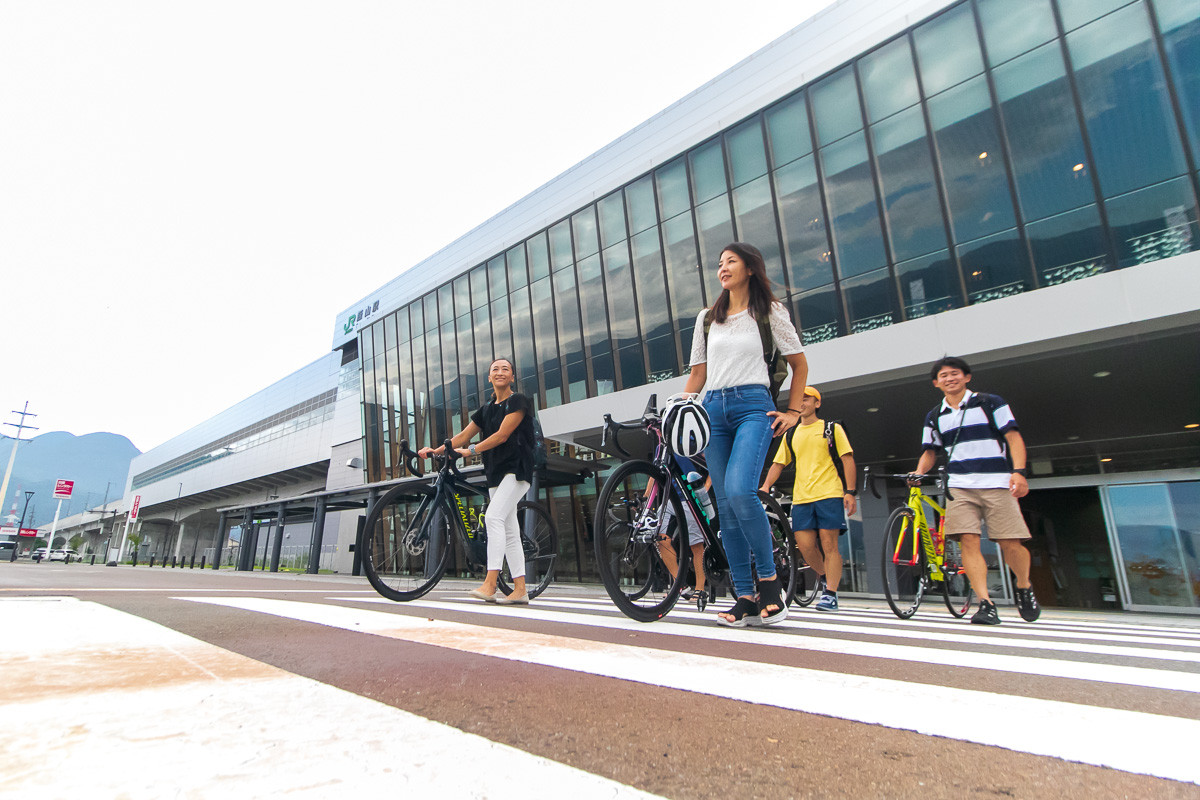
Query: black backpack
{"x": 539, "y": 445}
{"x": 829, "y": 442}
{"x": 777, "y": 366}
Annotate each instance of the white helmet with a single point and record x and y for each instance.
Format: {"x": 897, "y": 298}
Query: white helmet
{"x": 685, "y": 426}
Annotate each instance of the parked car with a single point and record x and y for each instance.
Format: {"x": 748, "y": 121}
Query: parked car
{"x": 64, "y": 554}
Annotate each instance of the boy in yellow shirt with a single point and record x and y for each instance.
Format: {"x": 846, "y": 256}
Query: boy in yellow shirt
{"x": 820, "y": 501}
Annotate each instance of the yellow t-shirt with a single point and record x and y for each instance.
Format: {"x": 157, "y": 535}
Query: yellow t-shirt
{"x": 816, "y": 476}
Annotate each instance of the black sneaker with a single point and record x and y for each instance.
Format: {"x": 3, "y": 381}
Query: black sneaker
{"x": 1027, "y": 604}
{"x": 986, "y": 615}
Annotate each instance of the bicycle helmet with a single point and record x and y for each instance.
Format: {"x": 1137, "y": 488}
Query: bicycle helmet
{"x": 685, "y": 426}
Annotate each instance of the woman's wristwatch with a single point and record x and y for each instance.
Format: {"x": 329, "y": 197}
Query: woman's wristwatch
{"x": 471, "y": 449}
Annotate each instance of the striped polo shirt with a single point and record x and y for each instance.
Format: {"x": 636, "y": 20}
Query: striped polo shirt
{"x": 973, "y": 435}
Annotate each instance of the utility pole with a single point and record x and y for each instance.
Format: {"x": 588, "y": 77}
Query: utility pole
{"x": 21, "y": 426}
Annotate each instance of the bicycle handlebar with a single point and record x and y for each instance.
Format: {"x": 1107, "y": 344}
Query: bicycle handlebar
{"x": 910, "y": 478}
{"x": 412, "y": 461}
{"x": 649, "y": 417}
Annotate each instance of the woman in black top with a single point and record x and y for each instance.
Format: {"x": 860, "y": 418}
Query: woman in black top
{"x": 506, "y": 424}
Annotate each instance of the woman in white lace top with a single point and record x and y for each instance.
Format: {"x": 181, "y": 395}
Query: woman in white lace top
{"x": 728, "y": 364}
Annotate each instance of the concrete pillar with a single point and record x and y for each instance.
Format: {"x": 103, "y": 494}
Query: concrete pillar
{"x": 280, "y": 525}
{"x": 318, "y": 531}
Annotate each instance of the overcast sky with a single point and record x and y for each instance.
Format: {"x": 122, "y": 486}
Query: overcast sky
{"x": 190, "y": 192}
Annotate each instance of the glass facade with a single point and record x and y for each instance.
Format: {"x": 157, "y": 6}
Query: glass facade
{"x": 977, "y": 155}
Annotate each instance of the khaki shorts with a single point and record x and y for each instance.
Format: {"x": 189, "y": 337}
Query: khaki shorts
{"x": 996, "y": 506}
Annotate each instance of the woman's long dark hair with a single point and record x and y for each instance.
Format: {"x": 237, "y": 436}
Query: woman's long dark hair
{"x": 761, "y": 296}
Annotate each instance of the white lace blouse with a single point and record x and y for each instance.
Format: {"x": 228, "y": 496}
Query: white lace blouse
{"x": 734, "y": 351}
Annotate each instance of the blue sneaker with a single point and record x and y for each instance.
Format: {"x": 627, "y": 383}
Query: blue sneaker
{"x": 828, "y": 602}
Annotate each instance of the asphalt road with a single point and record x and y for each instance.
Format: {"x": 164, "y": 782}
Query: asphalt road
{"x": 145, "y": 682}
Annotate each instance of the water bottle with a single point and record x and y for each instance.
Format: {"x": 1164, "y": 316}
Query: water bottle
{"x": 696, "y": 481}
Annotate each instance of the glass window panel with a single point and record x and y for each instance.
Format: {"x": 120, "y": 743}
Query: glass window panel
{"x": 560, "y": 245}
{"x": 747, "y": 156}
{"x": 445, "y": 296}
{"x": 889, "y": 79}
{"x": 684, "y": 281}
{"x": 431, "y": 312}
{"x": 1150, "y": 546}
{"x": 450, "y": 375}
{"x": 818, "y": 315}
{"x": 612, "y": 219}
{"x": 910, "y": 197}
{"x": 633, "y": 367}
{"x": 1068, "y": 246}
{"x": 523, "y": 338}
{"x": 539, "y": 258}
{"x": 583, "y": 224}
{"x": 1185, "y": 500}
{"x": 835, "y": 105}
{"x": 1081, "y": 12}
{"x": 420, "y": 383}
{"x": 787, "y": 126}
{"x": 542, "y": 302}
{"x": 591, "y": 292}
{"x": 964, "y": 126}
{"x": 948, "y": 50}
{"x": 754, "y": 213}
{"x": 1009, "y": 34}
{"x": 663, "y": 364}
{"x": 1128, "y": 114}
{"x": 649, "y": 283}
{"x": 618, "y": 279}
{"x": 501, "y": 343}
{"x": 708, "y": 177}
{"x": 437, "y": 392}
{"x": 1154, "y": 223}
{"x": 1043, "y": 134}
{"x": 604, "y": 373}
{"x": 479, "y": 287}
{"x": 854, "y": 214}
{"x": 566, "y": 304}
{"x": 552, "y": 382}
{"x": 466, "y": 360}
{"x": 715, "y": 230}
{"x": 928, "y": 285}
{"x": 994, "y": 267}
{"x": 517, "y": 275}
{"x": 870, "y": 301}
{"x": 576, "y": 382}
{"x": 416, "y": 319}
{"x": 640, "y": 197}
{"x": 1180, "y": 23}
{"x": 803, "y": 223}
{"x": 402, "y": 329}
{"x": 462, "y": 295}
{"x": 483, "y": 348}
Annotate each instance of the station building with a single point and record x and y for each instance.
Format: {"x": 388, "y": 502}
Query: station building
{"x": 1014, "y": 183}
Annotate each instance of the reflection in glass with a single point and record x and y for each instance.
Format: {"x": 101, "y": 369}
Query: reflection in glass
{"x": 604, "y": 373}
{"x": 1179, "y": 21}
{"x": 612, "y": 219}
{"x": 910, "y": 198}
{"x": 466, "y": 362}
{"x": 888, "y": 79}
{"x": 870, "y": 301}
{"x": 431, "y": 312}
{"x": 561, "y": 254}
{"x": 416, "y": 318}
{"x": 462, "y": 295}
{"x": 1153, "y": 223}
{"x": 803, "y": 222}
{"x": 1185, "y": 500}
{"x": 1043, "y": 134}
{"x": 663, "y": 363}
{"x": 1123, "y": 93}
{"x": 451, "y": 377}
{"x": 583, "y": 224}
{"x": 1007, "y": 35}
{"x": 552, "y": 384}
{"x": 835, "y": 106}
{"x": 1069, "y": 246}
{"x": 576, "y": 382}
{"x": 787, "y": 126}
{"x": 994, "y": 267}
{"x": 479, "y": 287}
{"x": 445, "y": 296}
{"x": 539, "y": 258}
{"x": 928, "y": 285}
{"x": 542, "y": 303}
{"x": 437, "y": 393}
{"x": 683, "y": 271}
{"x": 754, "y": 212}
{"x": 817, "y": 315}
{"x": 1080, "y": 12}
{"x": 1150, "y": 545}
{"x": 948, "y": 49}
{"x": 618, "y": 279}
{"x": 964, "y": 126}
{"x": 591, "y": 290}
{"x": 747, "y": 158}
{"x": 640, "y": 198}
{"x": 708, "y": 179}
{"x": 633, "y": 367}
{"x": 523, "y": 340}
{"x": 854, "y": 215}
{"x": 483, "y": 347}
{"x": 566, "y": 304}
{"x": 517, "y": 274}
{"x": 649, "y": 283}
{"x": 715, "y": 231}
{"x": 502, "y": 328}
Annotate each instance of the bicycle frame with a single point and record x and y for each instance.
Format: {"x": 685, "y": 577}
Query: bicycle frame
{"x": 931, "y": 539}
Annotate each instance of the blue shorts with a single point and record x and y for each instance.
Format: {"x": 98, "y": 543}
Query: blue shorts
{"x": 823, "y": 515}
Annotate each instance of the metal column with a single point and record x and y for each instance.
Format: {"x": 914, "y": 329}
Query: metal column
{"x": 277, "y": 547}
{"x": 246, "y": 546}
{"x": 318, "y": 531}
{"x": 220, "y": 537}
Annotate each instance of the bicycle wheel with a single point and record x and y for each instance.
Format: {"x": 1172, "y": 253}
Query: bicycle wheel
{"x": 956, "y": 589}
{"x": 808, "y": 584}
{"x": 785, "y": 550}
{"x": 903, "y": 561}
{"x": 630, "y": 542}
{"x": 539, "y": 538}
{"x": 406, "y": 543}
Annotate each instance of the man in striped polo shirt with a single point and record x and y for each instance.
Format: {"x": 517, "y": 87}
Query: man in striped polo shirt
{"x": 986, "y": 465}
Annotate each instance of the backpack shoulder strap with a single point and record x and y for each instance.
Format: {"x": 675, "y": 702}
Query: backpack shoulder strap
{"x": 768, "y": 338}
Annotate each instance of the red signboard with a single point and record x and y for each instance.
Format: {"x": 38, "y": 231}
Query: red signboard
{"x": 137, "y": 502}
{"x": 28, "y": 532}
{"x": 63, "y": 489}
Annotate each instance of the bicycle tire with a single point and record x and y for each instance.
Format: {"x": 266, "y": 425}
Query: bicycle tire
{"x": 903, "y": 584}
{"x": 956, "y": 589}
{"x": 404, "y": 558}
{"x": 541, "y": 549}
{"x": 785, "y": 549}
{"x": 626, "y": 535}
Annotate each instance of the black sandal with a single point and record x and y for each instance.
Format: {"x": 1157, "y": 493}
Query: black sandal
{"x": 742, "y": 612}
{"x": 769, "y": 595}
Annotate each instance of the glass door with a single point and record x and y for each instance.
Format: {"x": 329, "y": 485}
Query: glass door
{"x": 1155, "y": 533}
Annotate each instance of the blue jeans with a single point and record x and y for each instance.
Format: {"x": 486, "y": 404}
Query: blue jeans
{"x": 741, "y": 434}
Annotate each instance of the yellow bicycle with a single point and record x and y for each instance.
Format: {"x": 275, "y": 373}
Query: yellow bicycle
{"x": 916, "y": 556}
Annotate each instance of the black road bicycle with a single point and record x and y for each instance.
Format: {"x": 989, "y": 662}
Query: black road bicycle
{"x": 409, "y": 535}
{"x": 640, "y": 531}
